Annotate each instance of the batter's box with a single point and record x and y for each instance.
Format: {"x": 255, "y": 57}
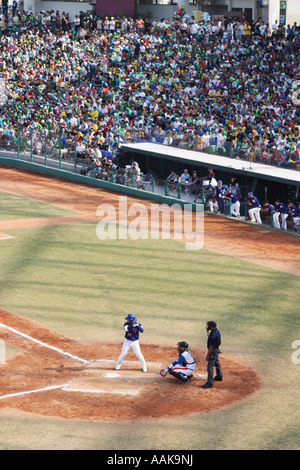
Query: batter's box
{"x": 98, "y": 385}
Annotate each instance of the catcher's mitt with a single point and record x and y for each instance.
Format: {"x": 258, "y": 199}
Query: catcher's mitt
{"x": 163, "y": 372}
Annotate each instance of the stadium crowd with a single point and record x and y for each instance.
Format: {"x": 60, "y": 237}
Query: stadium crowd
{"x": 181, "y": 83}
{"x": 97, "y": 82}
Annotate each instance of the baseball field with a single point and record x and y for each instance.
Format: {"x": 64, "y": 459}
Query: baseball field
{"x": 64, "y": 294}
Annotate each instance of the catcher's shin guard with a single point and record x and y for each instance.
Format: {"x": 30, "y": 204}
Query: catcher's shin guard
{"x": 178, "y": 375}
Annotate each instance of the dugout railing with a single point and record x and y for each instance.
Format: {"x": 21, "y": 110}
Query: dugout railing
{"x": 66, "y": 145}
{"x": 52, "y": 150}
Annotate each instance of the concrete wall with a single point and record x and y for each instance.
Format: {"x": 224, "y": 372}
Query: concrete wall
{"x": 293, "y": 12}
{"x": 73, "y": 8}
{"x": 46, "y": 170}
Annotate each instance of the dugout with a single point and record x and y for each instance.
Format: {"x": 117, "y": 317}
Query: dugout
{"x": 265, "y": 181}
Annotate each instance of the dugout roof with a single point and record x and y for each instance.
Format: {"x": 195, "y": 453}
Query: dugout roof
{"x": 256, "y": 170}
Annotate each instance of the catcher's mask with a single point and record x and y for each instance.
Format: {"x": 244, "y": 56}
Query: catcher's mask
{"x": 182, "y": 344}
{"x": 210, "y": 324}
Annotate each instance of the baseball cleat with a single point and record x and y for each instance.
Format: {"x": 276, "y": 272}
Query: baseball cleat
{"x": 183, "y": 382}
{"x": 218, "y": 379}
{"x": 206, "y": 385}
{"x": 117, "y": 367}
{"x": 144, "y": 369}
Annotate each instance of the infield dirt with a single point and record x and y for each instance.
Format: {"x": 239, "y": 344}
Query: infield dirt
{"x": 81, "y": 386}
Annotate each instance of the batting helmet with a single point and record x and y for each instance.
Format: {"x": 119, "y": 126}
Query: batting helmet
{"x": 182, "y": 344}
{"x": 130, "y": 317}
{"x": 250, "y": 194}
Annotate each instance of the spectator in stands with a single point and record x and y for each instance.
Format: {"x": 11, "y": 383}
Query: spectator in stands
{"x": 184, "y": 180}
{"x": 193, "y": 183}
{"x": 185, "y": 77}
{"x": 171, "y": 179}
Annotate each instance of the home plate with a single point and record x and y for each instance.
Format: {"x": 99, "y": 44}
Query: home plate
{"x": 98, "y": 385}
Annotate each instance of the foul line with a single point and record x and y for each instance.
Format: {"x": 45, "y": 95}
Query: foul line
{"x": 60, "y": 351}
{"x": 18, "y": 394}
{"x": 99, "y": 391}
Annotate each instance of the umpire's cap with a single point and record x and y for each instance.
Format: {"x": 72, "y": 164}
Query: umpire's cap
{"x": 211, "y": 323}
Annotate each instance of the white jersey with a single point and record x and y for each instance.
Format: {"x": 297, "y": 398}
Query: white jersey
{"x": 189, "y": 360}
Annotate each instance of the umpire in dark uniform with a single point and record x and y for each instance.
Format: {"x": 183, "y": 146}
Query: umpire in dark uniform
{"x": 212, "y": 357}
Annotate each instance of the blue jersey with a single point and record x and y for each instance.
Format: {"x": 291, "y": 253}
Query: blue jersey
{"x": 214, "y": 339}
{"x": 269, "y": 207}
{"x": 254, "y": 201}
{"x": 281, "y": 208}
{"x": 220, "y": 191}
{"x": 132, "y": 332}
{"x": 232, "y": 197}
{"x": 294, "y": 211}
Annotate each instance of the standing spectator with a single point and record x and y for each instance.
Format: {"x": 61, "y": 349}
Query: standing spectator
{"x": 193, "y": 183}
{"x": 76, "y": 23}
{"x": 140, "y": 25}
{"x": 112, "y": 24}
{"x": 220, "y": 142}
{"x": 184, "y": 179}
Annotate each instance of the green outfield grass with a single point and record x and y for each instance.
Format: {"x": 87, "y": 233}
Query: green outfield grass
{"x": 17, "y": 207}
{"x": 66, "y": 279}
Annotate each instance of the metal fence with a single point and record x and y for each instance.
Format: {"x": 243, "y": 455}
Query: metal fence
{"x": 57, "y": 150}
{"x": 65, "y": 146}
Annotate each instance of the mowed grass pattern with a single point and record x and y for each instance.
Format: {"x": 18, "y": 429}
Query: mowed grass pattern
{"x": 18, "y": 207}
{"x": 66, "y": 279}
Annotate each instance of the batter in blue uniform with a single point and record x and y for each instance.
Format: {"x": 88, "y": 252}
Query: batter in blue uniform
{"x": 132, "y": 331}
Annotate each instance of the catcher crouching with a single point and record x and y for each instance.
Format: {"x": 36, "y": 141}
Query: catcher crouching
{"x": 184, "y": 366}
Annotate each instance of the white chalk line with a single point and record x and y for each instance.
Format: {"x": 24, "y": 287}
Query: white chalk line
{"x": 98, "y": 390}
{"x": 45, "y": 345}
{"x": 65, "y": 388}
{"x": 28, "y": 392}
